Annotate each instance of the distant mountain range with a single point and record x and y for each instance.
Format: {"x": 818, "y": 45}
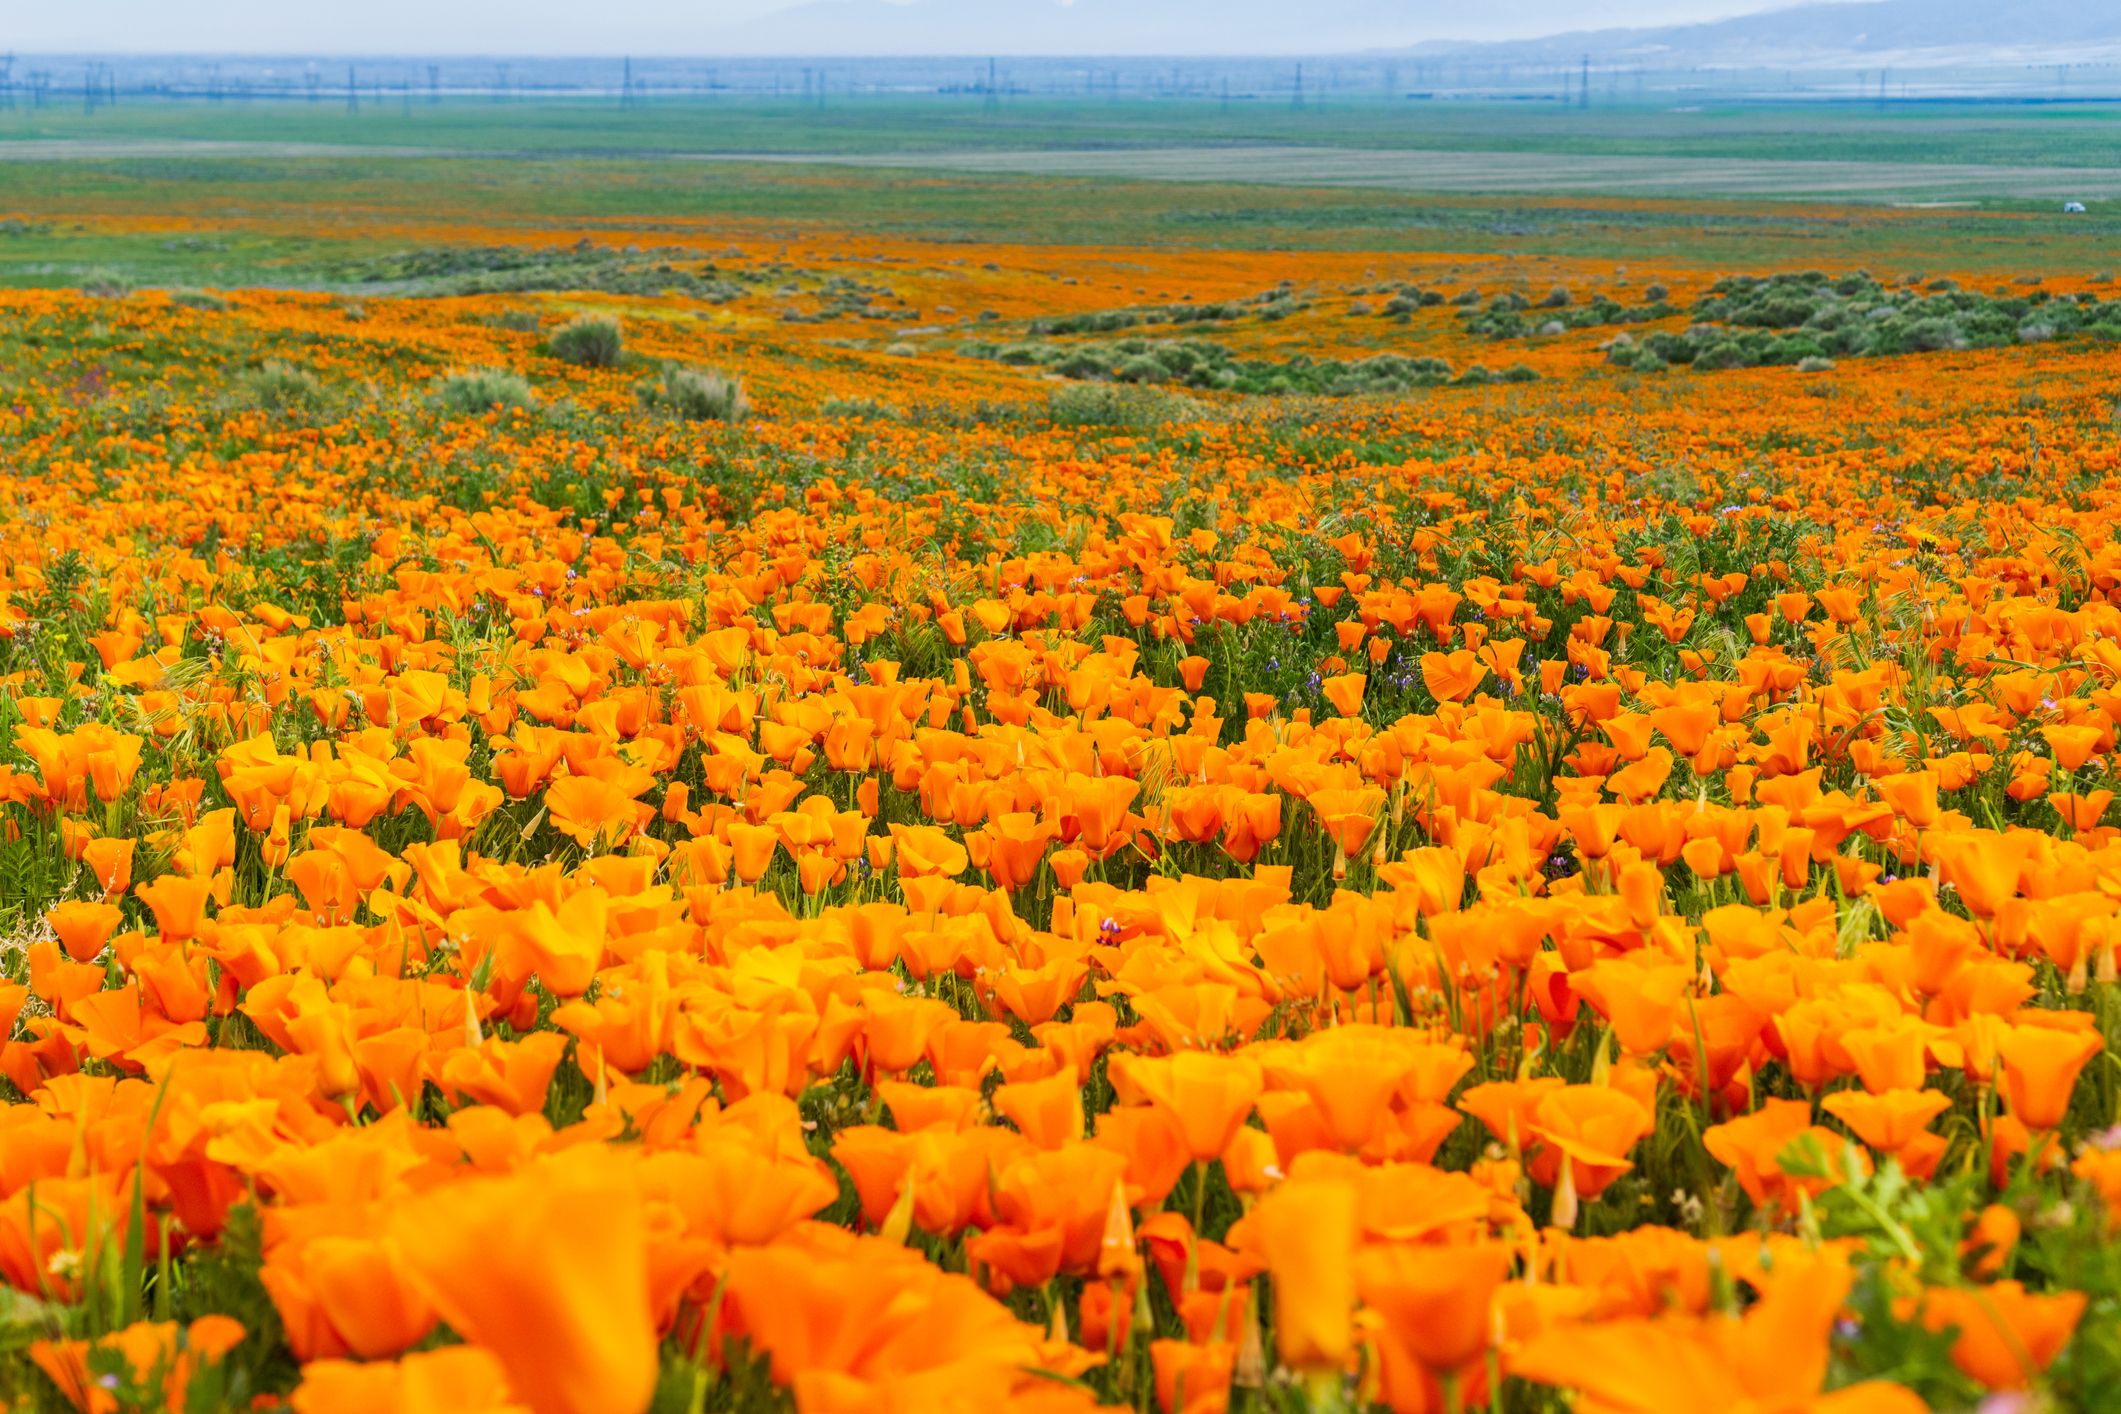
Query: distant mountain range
{"x": 1850, "y": 33}
{"x": 1136, "y": 28}
{"x": 1869, "y": 34}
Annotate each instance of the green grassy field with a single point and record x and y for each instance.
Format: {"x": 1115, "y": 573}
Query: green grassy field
{"x": 1545, "y": 173}
{"x": 2061, "y": 134}
{"x": 314, "y": 187}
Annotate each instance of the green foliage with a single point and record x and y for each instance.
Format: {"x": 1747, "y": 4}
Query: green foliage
{"x": 584, "y": 266}
{"x": 694, "y": 394}
{"x": 1506, "y": 317}
{"x": 1208, "y": 366}
{"x": 589, "y": 341}
{"x": 1278, "y": 303}
{"x": 279, "y": 386}
{"x": 222, "y": 1278}
{"x": 470, "y": 392}
{"x": 1104, "y": 405}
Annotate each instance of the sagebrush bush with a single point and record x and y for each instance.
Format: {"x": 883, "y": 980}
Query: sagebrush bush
{"x": 1724, "y": 353}
{"x": 1115, "y": 405}
{"x": 1209, "y": 366}
{"x": 472, "y": 391}
{"x": 695, "y": 394}
{"x": 105, "y": 284}
{"x": 589, "y": 341}
{"x": 1933, "y": 335}
{"x": 277, "y": 386}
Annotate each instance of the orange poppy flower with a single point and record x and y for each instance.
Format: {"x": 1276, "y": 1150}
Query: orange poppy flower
{"x": 1306, "y": 1231}
{"x": 1435, "y": 1299}
{"x": 1453, "y": 677}
{"x": 2006, "y": 1335}
{"x": 2040, "y": 1069}
{"x": 455, "y": 1379}
{"x": 83, "y": 927}
{"x": 548, "y": 1270}
{"x": 1208, "y": 1095}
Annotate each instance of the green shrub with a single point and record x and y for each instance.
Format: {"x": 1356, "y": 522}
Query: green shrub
{"x": 279, "y": 386}
{"x": 695, "y": 394}
{"x": 1114, "y": 405}
{"x": 1026, "y": 354}
{"x": 588, "y": 341}
{"x": 472, "y": 391}
{"x": 1207, "y": 365}
{"x": 1079, "y": 363}
{"x": 1724, "y": 353}
{"x": 105, "y": 284}
{"x": 1931, "y": 335}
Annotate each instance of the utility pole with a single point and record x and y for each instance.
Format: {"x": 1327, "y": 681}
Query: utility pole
{"x": 434, "y": 83}
{"x": 1297, "y": 101}
{"x": 1583, "y": 96}
{"x": 353, "y": 91}
{"x": 626, "y": 83}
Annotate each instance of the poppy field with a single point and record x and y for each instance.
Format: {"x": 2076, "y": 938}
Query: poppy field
{"x": 754, "y": 818}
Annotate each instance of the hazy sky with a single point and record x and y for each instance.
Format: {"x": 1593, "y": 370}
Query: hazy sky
{"x": 669, "y": 26}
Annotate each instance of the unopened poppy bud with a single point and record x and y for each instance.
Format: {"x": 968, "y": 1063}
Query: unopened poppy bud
{"x": 1565, "y": 1205}
{"x": 898, "y": 1225}
{"x": 1116, "y": 1255}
